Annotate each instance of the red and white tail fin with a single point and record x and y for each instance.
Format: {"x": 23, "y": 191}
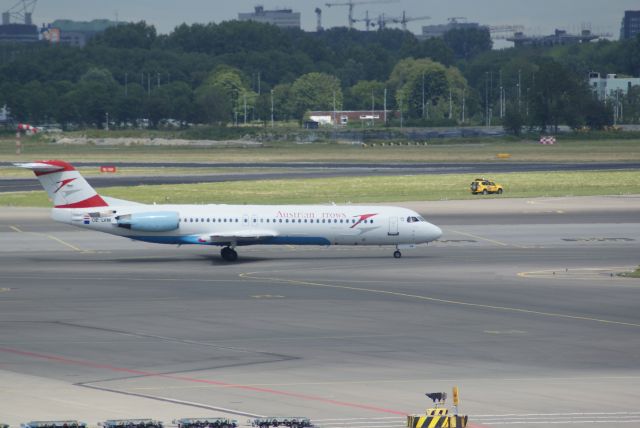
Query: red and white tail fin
{"x": 64, "y": 184}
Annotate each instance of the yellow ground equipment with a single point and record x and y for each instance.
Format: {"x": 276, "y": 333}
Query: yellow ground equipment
{"x": 484, "y": 186}
{"x": 438, "y": 416}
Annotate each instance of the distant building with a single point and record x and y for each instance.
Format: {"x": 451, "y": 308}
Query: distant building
{"x": 343, "y": 117}
{"x": 435, "y": 31}
{"x": 559, "y": 37}
{"x": 284, "y": 18}
{"x": 5, "y": 115}
{"x": 606, "y": 87}
{"x": 14, "y": 32}
{"x": 75, "y": 33}
{"x": 630, "y": 24}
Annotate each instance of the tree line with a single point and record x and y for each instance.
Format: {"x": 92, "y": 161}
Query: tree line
{"x": 236, "y": 72}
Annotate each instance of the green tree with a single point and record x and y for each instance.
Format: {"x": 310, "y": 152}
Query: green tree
{"x": 127, "y": 36}
{"x": 597, "y": 114}
{"x": 424, "y": 87}
{"x": 94, "y": 95}
{"x": 557, "y": 96}
{"x": 514, "y": 120}
{"x": 282, "y": 105}
{"x": 315, "y": 91}
{"x": 361, "y": 95}
{"x": 468, "y": 42}
{"x": 213, "y": 105}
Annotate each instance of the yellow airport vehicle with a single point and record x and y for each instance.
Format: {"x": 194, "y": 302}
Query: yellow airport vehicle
{"x": 438, "y": 416}
{"x": 484, "y": 186}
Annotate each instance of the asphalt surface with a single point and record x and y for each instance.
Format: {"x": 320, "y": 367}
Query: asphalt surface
{"x": 524, "y": 317}
{"x": 309, "y": 170}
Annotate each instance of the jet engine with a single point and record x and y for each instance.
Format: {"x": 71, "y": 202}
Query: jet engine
{"x": 160, "y": 221}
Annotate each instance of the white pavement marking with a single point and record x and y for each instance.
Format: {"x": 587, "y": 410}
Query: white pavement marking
{"x": 558, "y": 418}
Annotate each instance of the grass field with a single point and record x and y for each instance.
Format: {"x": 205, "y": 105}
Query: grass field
{"x": 452, "y": 150}
{"x": 634, "y": 274}
{"x": 364, "y": 189}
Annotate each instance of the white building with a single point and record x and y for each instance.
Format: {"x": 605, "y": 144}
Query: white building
{"x": 284, "y": 18}
{"x": 4, "y": 114}
{"x": 610, "y": 85}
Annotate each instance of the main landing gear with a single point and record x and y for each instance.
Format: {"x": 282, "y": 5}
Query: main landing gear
{"x": 229, "y": 254}
{"x": 397, "y": 254}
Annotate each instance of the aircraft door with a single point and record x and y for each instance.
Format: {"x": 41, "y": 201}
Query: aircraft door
{"x": 393, "y": 226}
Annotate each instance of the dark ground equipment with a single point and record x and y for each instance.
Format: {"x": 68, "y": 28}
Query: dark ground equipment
{"x": 289, "y": 421}
{"x": 438, "y": 416}
{"x": 206, "y": 423}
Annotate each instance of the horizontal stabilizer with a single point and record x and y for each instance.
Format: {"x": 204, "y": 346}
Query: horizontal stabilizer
{"x": 39, "y": 166}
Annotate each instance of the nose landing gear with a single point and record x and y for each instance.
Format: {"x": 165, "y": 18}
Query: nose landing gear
{"x": 229, "y": 254}
{"x": 397, "y": 254}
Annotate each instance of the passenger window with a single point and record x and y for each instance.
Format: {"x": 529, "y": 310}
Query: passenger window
{"x": 246, "y": 220}
{"x": 280, "y": 220}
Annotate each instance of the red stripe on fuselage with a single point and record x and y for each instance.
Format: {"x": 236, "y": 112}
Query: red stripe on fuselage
{"x": 94, "y": 201}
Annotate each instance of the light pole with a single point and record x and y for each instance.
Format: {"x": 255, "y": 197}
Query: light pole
{"x": 385, "y": 106}
{"x": 423, "y": 116}
{"x": 463, "y": 103}
{"x": 244, "y": 96}
{"x": 272, "y": 108}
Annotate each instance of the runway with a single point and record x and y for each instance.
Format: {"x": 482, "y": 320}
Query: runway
{"x": 306, "y": 170}
{"x": 526, "y": 317}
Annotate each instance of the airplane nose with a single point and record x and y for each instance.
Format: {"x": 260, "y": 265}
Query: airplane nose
{"x": 436, "y": 232}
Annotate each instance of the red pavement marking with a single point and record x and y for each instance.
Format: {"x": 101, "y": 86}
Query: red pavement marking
{"x": 63, "y": 360}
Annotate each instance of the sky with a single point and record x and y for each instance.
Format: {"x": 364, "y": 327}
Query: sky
{"x": 537, "y": 16}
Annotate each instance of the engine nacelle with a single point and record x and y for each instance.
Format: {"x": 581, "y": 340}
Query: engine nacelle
{"x": 160, "y": 221}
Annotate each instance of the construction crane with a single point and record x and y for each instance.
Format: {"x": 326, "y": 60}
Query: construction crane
{"x": 20, "y": 12}
{"x": 368, "y": 22}
{"x": 383, "y": 20}
{"x": 350, "y": 4}
{"x": 318, "y": 19}
{"x": 404, "y": 19}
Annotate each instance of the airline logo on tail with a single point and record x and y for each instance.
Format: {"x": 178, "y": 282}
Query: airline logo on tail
{"x": 63, "y": 183}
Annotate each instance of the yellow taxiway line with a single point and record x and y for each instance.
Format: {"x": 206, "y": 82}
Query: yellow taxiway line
{"x": 254, "y": 276}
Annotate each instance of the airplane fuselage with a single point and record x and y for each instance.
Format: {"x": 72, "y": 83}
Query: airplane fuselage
{"x": 238, "y": 225}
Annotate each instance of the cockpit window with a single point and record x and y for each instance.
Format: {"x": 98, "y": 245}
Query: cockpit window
{"x": 412, "y": 219}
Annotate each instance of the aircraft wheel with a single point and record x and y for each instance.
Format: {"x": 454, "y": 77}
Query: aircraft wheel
{"x": 397, "y": 254}
{"x": 229, "y": 254}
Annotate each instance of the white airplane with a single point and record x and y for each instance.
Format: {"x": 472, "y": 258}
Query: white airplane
{"x": 229, "y": 226}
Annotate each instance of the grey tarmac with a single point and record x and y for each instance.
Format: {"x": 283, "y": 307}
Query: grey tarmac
{"x": 303, "y": 170}
{"x": 526, "y": 317}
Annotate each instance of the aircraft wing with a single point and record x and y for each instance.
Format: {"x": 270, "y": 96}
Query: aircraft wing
{"x": 249, "y": 235}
